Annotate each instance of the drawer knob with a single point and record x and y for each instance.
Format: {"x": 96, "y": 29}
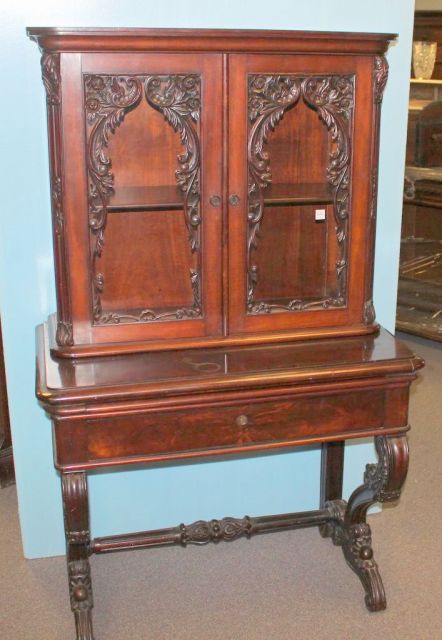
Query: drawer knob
{"x": 242, "y": 420}
{"x": 215, "y": 201}
{"x": 234, "y": 200}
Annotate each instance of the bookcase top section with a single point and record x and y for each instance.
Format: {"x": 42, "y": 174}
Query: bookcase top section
{"x": 226, "y": 40}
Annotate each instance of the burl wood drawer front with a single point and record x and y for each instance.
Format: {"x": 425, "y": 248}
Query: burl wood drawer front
{"x": 254, "y": 424}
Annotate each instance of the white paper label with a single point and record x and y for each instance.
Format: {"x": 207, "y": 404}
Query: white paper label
{"x": 320, "y": 214}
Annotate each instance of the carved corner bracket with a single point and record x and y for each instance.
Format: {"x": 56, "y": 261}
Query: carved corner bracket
{"x": 369, "y": 312}
{"x": 50, "y": 72}
{"x": 380, "y": 77}
{"x": 332, "y": 97}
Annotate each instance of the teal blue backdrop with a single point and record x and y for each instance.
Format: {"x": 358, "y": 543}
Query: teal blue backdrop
{"x": 163, "y": 495}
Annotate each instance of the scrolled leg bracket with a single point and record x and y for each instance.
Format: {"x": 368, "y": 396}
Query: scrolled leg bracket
{"x": 382, "y": 483}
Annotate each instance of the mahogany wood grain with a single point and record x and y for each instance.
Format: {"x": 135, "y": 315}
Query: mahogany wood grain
{"x": 143, "y": 280}
{"x": 157, "y": 376}
{"x": 352, "y": 312}
{"x": 254, "y": 426}
{"x": 92, "y": 39}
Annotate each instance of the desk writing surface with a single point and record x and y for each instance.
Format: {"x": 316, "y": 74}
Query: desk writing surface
{"x": 172, "y": 371}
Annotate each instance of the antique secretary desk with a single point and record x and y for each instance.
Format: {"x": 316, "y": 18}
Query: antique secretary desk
{"x": 214, "y": 205}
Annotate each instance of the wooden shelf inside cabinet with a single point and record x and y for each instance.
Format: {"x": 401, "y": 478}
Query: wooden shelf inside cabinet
{"x": 145, "y": 198}
{"x": 297, "y": 194}
{"x": 170, "y": 197}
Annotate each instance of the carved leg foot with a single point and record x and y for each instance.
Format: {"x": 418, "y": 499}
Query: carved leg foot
{"x": 76, "y": 519}
{"x": 80, "y": 591}
{"x": 382, "y": 483}
{"x": 355, "y": 541}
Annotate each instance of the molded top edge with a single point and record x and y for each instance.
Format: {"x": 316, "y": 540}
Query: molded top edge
{"x": 106, "y": 39}
{"x": 165, "y": 374}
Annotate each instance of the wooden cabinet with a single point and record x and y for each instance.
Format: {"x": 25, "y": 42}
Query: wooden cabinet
{"x": 210, "y": 190}
{"x": 217, "y": 189}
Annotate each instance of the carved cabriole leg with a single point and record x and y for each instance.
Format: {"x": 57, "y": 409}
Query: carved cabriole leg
{"x": 76, "y": 522}
{"x": 382, "y": 483}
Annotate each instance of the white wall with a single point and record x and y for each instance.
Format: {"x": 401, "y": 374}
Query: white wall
{"x": 165, "y": 495}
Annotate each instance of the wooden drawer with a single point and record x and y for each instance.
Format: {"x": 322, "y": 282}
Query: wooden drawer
{"x": 220, "y": 429}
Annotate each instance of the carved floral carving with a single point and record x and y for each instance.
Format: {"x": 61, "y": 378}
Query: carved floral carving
{"x": 333, "y": 99}
{"x": 369, "y": 312}
{"x": 178, "y": 98}
{"x": 50, "y": 71}
{"x": 57, "y": 204}
{"x": 269, "y": 98}
{"x": 64, "y": 334}
{"x": 377, "y": 476}
{"x": 80, "y": 586}
{"x": 380, "y": 76}
{"x": 202, "y": 532}
{"x": 108, "y": 100}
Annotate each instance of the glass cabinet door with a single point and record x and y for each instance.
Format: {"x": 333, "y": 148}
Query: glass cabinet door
{"x": 292, "y": 122}
{"x": 152, "y": 218}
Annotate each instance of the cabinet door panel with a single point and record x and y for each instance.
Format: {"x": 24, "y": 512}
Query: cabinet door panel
{"x": 293, "y": 235}
{"x": 153, "y": 259}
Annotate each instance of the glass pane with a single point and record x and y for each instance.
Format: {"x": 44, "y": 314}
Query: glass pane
{"x": 144, "y": 203}
{"x": 299, "y": 160}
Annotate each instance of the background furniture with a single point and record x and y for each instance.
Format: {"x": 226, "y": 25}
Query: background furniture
{"x": 419, "y": 309}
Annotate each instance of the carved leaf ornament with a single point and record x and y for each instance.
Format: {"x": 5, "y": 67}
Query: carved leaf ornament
{"x": 332, "y": 97}
{"x": 108, "y": 100}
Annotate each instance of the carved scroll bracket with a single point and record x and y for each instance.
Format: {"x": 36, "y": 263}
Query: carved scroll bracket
{"x": 382, "y": 483}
